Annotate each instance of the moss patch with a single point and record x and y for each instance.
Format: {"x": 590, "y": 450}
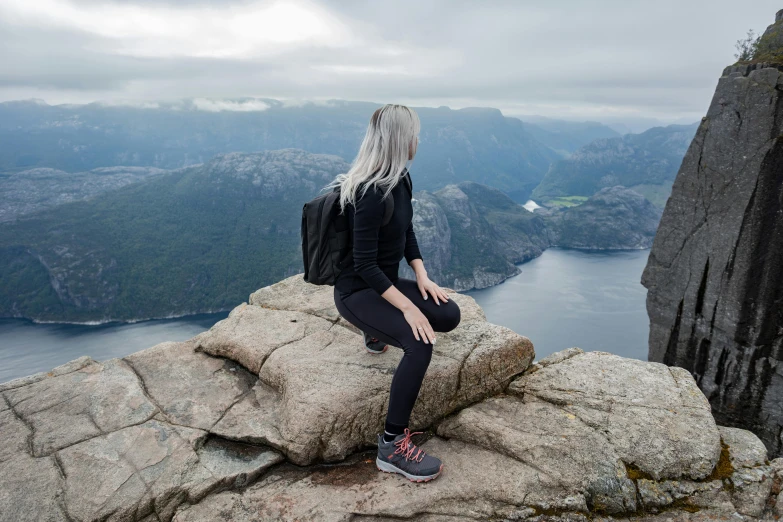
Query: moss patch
{"x": 634, "y": 473}
{"x": 769, "y": 48}
{"x": 683, "y": 504}
{"x": 724, "y": 468}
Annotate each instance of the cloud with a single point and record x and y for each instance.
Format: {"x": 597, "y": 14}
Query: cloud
{"x": 204, "y": 104}
{"x": 603, "y": 60}
{"x": 207, "y": 31}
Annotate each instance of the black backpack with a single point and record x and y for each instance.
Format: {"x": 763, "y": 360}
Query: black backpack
{"x": 326, "y": 238}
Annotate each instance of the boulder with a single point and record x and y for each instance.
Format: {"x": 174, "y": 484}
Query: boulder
{"x": 619, "y": 418}
{"x": 29, "y": 487}
{"x": 776, "y": 498}
{"x": 476, "y": 484}
{"x": 320, "y": 396}
{"x": 639, "y": 406}
{"x": 751, "y": 478}
{"x": 295, "y": 294}
{"x": 251, "y": 333}
{"x": 518, "y": 456}
{"x": 151, "y": 469}
{"x": 190, "y": 388}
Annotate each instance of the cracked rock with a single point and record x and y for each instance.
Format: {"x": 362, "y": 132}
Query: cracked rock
{"x": 95, "y": 399}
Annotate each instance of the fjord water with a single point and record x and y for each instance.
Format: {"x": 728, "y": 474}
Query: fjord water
{"x": 590, "y": 299}
{"x": 27, "y": 347}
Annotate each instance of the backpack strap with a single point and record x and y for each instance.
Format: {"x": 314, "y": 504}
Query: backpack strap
{"x": 388, "y": 210}
{"x": 406, "y": 178}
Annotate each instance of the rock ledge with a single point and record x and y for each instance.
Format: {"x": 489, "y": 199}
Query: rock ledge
{"x": 271, "y": 415}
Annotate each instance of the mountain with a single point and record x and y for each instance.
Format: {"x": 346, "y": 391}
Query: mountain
{"x": 471, "y": 144}
{"x": 195, "y": 239}
{"x": 472, "y": 235}
{"x": 612, "y": 218}
{"x": 182, "y": 242}
{"x": 32, "y": 190}
{"x": 645, "y": 162}
{"x": 567, "y": 136}
{"x": 715, "y": 272}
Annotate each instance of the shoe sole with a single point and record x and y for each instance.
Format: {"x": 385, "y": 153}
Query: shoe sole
{"x": 388, "y": 467}
{"x": 376, "y": 352}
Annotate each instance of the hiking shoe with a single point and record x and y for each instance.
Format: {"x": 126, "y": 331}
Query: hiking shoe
{"x": 403, "y": 457}
{"x": 373, "y": 345}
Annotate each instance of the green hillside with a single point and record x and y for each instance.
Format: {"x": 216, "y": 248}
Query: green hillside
{"x": 649, "y": 161}
{"x": 197, "y": 239}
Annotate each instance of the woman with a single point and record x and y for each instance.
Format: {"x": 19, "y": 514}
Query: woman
{"x": 369, "y": 294}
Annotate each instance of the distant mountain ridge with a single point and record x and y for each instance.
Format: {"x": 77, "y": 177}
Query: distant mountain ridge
{"x": 473, "y": 144}
{"x": 647, "y": 162}
{"x": 195, "y": 239}
{"x": 36, "y": 189}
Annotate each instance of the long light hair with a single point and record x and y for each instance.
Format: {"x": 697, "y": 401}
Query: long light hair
{"x": 389, "y": 144}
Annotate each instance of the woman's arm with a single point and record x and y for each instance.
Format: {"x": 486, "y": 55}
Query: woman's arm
{"x": 413, "y": 256}
{"x": 412, "y": 246}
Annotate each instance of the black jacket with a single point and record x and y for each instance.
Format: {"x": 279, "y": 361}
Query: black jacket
{"x": 377, "y": 250}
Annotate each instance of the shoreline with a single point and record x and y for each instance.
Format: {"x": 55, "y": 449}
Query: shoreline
{"x": 116, "y": 321}
{"x": 190, "y": 314}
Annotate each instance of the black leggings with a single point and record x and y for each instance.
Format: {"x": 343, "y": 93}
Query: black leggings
{"x": 373, "y": 314}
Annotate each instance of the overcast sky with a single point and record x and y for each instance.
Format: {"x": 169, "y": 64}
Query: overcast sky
{"x": 601, "y": 60}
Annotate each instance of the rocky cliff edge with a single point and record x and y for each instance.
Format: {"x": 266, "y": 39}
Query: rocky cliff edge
{"x": 715, "y": 271}
{"x": 271, "y": 415}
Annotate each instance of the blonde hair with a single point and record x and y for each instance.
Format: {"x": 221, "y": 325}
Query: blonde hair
{"x": 389, "y": 144}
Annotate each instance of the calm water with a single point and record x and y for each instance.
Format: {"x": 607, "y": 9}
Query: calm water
{"x": 564, "y": 298}
{"x": 27, "y": 347}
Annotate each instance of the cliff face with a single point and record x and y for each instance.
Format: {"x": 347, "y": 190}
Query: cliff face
{"x": 715, "y": 271}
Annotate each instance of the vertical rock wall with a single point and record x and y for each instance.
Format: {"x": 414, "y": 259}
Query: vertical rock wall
{"x": 715, "y": 271}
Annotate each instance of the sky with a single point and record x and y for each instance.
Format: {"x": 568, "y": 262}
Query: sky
{"x": 630, "y": 61}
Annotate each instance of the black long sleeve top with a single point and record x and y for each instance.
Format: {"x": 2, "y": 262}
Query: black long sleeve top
{"x": 378, "y": 250}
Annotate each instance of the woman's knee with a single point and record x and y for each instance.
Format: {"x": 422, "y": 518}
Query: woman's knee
{"x": 449, "y": 316}
{"x": 418, "y": 352}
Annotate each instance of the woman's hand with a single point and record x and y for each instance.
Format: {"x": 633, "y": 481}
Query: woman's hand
{"x": 426, "y": 285}
{"x": 418, "y": 322}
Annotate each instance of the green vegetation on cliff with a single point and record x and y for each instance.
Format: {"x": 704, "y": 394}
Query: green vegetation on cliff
{"x": 767, "y": 47}
{"x": 650, "y": 159}
{"x": 193, "y": 240}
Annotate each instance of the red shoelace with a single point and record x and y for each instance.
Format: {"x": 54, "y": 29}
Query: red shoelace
{"x": 406, "y": 448}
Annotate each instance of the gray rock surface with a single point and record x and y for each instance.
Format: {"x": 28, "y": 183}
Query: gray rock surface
{"x": 318, "y": 397}
{"x": 523, "y": 455}
{"x": 715, "y": 272}
{"x": 610, "y": 414}
{"x": 198, "y": 431}
{"x": 98, "y": 441}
